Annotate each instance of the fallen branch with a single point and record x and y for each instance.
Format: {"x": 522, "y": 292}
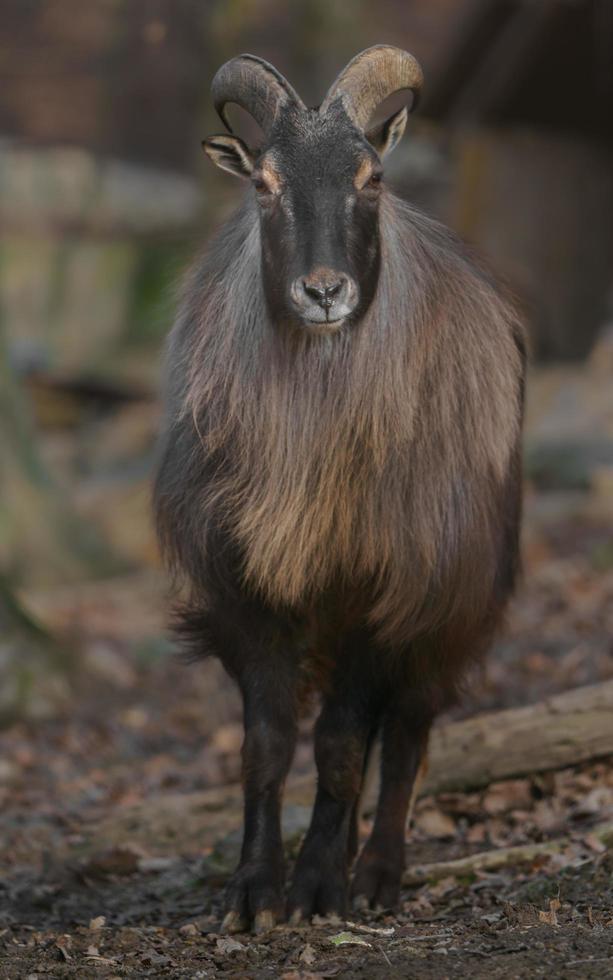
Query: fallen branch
{"x": 500, "y": 858}
{"x": 561, "y": 731}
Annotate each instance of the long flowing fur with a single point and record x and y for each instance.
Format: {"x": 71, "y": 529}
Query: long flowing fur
{"x": 375, "y": 458}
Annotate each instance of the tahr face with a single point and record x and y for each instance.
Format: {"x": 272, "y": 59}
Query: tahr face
{"x": 317, "y": 182}
{"x": 317, "y": 185}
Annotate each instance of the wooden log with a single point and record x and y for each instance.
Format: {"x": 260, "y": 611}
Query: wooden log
{"x": 562, "y": 731}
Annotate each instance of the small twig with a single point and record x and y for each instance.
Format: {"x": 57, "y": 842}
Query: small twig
{"x": 499, "y": 858}
{"x": 596, "y": 959}
{"x": 370, "y": 929}
{"x": 385, "y": 956}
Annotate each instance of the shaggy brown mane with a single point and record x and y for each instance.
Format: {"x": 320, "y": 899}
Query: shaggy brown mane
{"x": 367, "y": 456}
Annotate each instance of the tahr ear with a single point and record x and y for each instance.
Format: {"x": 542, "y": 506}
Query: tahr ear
{"x": 229, "y": 153}
{"x": 388, "y": 134}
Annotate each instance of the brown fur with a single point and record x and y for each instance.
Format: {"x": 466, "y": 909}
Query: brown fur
{"x": 375, "y": 455}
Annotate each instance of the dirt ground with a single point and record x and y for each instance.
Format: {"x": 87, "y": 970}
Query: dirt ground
{"x": 120, "y": 815}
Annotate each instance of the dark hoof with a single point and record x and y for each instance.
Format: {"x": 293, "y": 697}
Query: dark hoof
{"x": 376, "y": 884}
{"x": 252, "y": 898}
{"x": 318, "y": 888}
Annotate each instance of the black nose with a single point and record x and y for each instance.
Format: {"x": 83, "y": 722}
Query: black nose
{"x": 322, "y": 294}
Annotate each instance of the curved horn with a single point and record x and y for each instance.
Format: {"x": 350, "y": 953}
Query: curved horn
{"x": 254, "y": 85}
{"x": 370, "y": 77}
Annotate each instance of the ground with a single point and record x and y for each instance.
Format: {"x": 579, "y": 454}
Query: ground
{"x": 121, "y": 812}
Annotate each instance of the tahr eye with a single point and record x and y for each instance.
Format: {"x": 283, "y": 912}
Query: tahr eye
{"x": 260, "y": 185}
{"x": 374, "y": 181}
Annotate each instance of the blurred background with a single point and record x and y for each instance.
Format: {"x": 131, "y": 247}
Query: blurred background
{"x": 105, "y": 195}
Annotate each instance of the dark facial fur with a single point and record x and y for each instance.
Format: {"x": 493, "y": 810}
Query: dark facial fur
{"x": 316, "y": 187}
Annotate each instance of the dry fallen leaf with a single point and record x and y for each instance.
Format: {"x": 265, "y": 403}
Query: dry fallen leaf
{"x": 550, "y": 917}
{"x": 419, "y": 908}
{"x": 435, "y": 823}
{"x": 135, "y": 717}
{"x": 594, "y": 844}
{"x": 441, "y": 888}
{"x": 122, "y": 860}
{"x": 308, "y": 955}
{"x": 227, "y": 945}
{"x": 93, "y": 956}
{"x": 153, "y": 958}
{"x": 97, "y": 923}
{"x": 326, "y": 920}
{"x": 508, "y": 795}
{"x": 476, "y": 834}
{"x": 595, "y": 802}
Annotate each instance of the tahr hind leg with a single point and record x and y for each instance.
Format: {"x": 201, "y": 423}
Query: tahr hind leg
{"x": 425, "y": 682}
{"x": 379, "y": 869}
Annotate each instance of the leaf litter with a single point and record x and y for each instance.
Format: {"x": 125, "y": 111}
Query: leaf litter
{"x": 112, "y": 815}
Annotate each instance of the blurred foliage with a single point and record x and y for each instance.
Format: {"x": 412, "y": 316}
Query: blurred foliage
{"x": 34, "y": 667}
{"x": 159, "y": 270}
{"x": 37, "y": 525}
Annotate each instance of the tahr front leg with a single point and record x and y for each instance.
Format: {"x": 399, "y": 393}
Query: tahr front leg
{"x": 266, "y": 672}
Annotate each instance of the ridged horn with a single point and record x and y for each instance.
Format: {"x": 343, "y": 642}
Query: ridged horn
{"x": 371, "y": 77}
{"x": 254, "y": 85}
